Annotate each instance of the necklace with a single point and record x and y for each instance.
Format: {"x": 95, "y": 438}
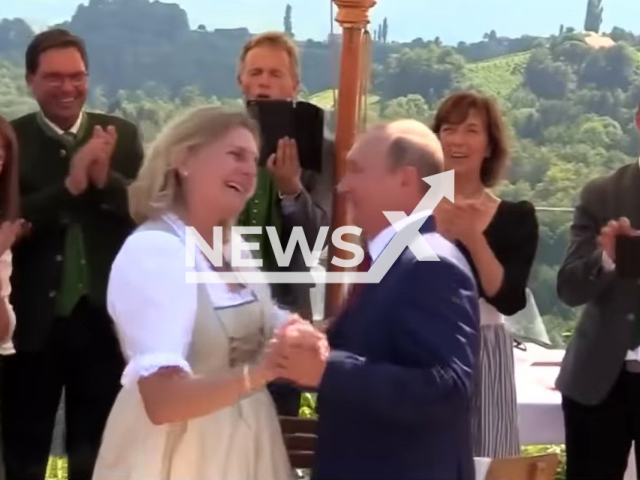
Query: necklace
{"x": 475, "y": 199}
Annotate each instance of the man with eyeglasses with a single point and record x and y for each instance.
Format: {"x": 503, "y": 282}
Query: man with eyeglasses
{"x": 74, "y": 167}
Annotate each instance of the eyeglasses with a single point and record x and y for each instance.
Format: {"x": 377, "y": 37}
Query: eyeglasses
{"x": 57, "y": 79}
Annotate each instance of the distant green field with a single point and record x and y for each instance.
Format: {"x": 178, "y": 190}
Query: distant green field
{"x": 498, "y": 76}
{"x": 324, "y": 99}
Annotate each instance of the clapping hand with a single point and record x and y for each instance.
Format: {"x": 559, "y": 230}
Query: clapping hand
{"x": 607, "y": 238}
{"x": 284, "y": 166}
{"x": 99, "y": 169}
{"x": 91, "y": 162}
{"x": 464, "y": 220}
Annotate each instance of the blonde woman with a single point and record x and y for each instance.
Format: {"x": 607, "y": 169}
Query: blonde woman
{"x": 194, "y": 403}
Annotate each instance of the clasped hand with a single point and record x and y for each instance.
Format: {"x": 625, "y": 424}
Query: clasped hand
{"x": 606, "y": 239}
{"x": 298, "y": 352}
{"x": 463, "y": 221}
{"x": 91, "y": 162}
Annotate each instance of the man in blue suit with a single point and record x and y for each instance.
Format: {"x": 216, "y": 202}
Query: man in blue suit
{"x": 394, "y": 374}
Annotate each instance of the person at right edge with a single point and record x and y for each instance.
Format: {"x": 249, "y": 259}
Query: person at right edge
{"x": 287, "y": 196}
{"x": 600, "y": 374}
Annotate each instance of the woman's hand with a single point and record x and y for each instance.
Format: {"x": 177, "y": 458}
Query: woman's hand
{"x": 9, "y": 232}
{"x": 464, "y": 221}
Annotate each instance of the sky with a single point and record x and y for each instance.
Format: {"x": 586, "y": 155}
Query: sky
{"x": 451, "y": 20}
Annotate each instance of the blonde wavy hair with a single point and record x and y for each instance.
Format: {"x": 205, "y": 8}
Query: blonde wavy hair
{"x": 158, "y": 187}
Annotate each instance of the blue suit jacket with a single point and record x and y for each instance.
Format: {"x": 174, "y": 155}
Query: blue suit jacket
{"x": 394, "y": 401}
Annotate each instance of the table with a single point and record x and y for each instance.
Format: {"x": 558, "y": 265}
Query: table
{"x": 540, "y": 414}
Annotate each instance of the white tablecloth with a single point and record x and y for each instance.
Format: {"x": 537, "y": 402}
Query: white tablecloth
{"x": 539, "y": 404}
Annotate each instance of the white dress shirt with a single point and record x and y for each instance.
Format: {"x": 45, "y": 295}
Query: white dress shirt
{"x": 377, "y": 245}
{"x": 153, "y": 306}
{"x": 74, "y": 129}
{"x": 489, "y": 315}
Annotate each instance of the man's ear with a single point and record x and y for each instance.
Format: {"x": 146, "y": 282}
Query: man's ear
{"x": 410, "y": 177}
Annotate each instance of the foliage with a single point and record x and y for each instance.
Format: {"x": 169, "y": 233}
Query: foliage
{"x": 559, "y": 450}
{"x": 499, "y": 76}
{"x": 288, "y": 22}
{"x": 593, "y": 18}
{"x": 568, "y": 106}
{"x": 308, "y": 405}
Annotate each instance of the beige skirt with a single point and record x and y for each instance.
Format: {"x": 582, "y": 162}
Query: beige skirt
{"x": 240, "y": 442}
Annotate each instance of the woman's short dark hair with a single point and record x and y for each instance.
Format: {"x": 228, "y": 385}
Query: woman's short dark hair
{"x": 9, "y": 208}
{"x": 455, "y": 109}
{"x": 48, "y": 40}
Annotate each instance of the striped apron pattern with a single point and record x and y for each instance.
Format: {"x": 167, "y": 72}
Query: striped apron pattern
{"x": 494, "y": 420}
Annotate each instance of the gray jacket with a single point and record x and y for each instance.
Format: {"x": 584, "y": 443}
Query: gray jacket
{"x": 596, "y": 352}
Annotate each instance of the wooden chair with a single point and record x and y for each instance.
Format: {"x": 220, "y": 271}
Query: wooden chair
{"x": 300, "y": 438}
{"x": 537, "y": 467}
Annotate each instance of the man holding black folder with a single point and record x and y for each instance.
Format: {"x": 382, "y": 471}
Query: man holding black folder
{"x": 295, "y": 178}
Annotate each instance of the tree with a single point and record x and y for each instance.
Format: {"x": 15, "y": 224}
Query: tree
{"x": 288, "y": 23}
{"x": 428, "y": 72}
{"x": 385, "y": 30}
{"x": 546, "y": 78}
{"x": 593, "y": 18}
{"x": 412, "y": 106}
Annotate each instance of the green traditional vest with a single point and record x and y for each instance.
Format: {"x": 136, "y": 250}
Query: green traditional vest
{"x": 75, "y": 275}
{"x": 263, "y": 211}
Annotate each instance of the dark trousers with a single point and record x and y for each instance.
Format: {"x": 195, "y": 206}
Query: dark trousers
{"x": 286, "y": 397}
{"x": 598, "y": 438}
{"x": 83, "y": 356}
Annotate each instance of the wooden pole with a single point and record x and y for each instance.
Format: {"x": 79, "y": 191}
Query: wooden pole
{"x": 353, "y": 17}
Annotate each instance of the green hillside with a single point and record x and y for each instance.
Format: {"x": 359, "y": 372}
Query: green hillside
{"x": 324, "y": 99}
{"x": 499, "y": 75}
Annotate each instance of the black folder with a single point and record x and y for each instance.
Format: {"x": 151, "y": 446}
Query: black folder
{"x": 301, "y": 121}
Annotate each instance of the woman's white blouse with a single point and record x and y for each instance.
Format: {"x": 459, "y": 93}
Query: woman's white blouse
{"x": 153, "y": 306}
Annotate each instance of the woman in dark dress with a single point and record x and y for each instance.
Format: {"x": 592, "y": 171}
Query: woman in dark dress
{"x": 499, "y": 238}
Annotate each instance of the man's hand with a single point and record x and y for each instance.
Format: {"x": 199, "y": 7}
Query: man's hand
{"x": 614, "y": 228}
{"x": 91, "y": 161}
{"x": 99, "y": 169}
{"x": 284, "y": 166}
{"x": 299, "y": 353}
{"x": 77, "y": 179}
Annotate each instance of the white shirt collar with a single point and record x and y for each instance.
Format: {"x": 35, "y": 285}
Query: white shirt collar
{"x": 74, "y": 129}
{"x": 379, "y": 242}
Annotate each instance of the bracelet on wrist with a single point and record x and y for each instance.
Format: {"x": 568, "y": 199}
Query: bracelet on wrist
{"x": 246, "y": 378}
